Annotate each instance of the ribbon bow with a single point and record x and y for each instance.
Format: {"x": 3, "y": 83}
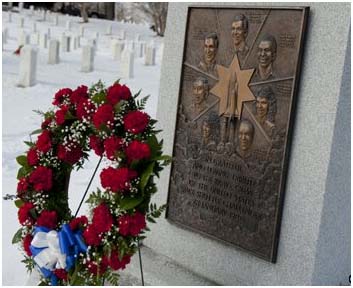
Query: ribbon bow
{"x": 53, "y": 249}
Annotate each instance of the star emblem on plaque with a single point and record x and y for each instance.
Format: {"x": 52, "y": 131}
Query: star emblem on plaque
{"x": 238, "y": 88}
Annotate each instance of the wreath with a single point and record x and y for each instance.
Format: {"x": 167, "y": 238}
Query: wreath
{"x": 87, "y": 250}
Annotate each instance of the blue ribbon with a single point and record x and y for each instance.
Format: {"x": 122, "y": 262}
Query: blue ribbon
{"x": 70, "y": 243}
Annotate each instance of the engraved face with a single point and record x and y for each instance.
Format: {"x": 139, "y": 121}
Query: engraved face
{"x": 210, "y": 50}
{"x": 198, "y": 90}
{"x": 265, "y": 53}
{"x": 262, "y": 106}
{"x": 246, "y": 135}
{"x": 206, "y": 130}
{"x": 238, "y": 32}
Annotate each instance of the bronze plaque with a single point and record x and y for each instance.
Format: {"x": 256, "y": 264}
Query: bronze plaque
{"x": 241, "y": 69}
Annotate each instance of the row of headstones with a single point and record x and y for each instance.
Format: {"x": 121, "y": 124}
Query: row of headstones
{"x": 139, "y": 49}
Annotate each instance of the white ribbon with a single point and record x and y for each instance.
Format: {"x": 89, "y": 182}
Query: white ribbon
{"x": 51, "y": 257}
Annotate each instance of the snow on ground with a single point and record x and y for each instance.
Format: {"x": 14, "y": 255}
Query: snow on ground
{"x": 19, "y": 120}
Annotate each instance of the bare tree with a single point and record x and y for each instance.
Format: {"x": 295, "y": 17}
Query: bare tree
{"x": 157, "y": 12}
{"x": 83, "y": 10}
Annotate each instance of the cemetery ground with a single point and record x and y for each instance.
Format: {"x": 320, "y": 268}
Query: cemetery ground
{"x": 18, "y": 103}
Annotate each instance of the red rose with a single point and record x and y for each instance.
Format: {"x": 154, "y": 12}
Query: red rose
{"x": 131, "y": 224}
{"x": 26, "y": 243}
{"x": 60, "y": 114}
{"x": 111, "y": 145}
{"x": 96, "y": 144}
{"x": 137, "y": 150}
{"x": 117, "y": 179}
{"x": 117, "y": 93}
{"x": 92, "y": 237}
{"x": 61, "y": 274}
{"x": 103, "y": 115}
{"x": 41, "y": 178}
{"x": 115, "y": 263}
{"x": 70, "y": 154}
{"x": 93, "y": 267}
{"x": 61, "y": 95}
{"x": 22, "y": 185}
{"x": 32, "y": 156}
{"x": 24, "y": 215}
{"x": 44, "y": 141}
{"x": 46, "y": 123}
{"x": 102, "y": 219}
{"x": 85, "y": 109}
{"x": 136, "y": 121}
{"x": 47, "y": 219}
{"x": 78, "y": 222}
{"x": 79, "y": 94}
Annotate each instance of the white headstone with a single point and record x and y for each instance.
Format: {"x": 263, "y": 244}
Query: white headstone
{"x": 53, "y": 52}
{"x": 73, "y": 43}
{"x": 43, "y": 40}
{"x": 123, "y": 35}
{"x": 31, "y": 9}
{"x": 23, "y": 38}
{"x": 117, "y": 49}
{"x": 87, "y": 59}
{"x": 56, "y": 19}
{"x": 127, "y": 64}
{"x": 150, "y": 56}
{"x": 138, "y": 37}
{"x": 78, "y": 41}
{"x": 34, "y": 26}
{"x": 20, "y": 6}
{"x": 22, "y": 22}
{"x": 96, "y": 35}
{"x": 28, "y": 66}
{"x": 49, "y": 33}
{"x": 82, "y": 31}
{"x": 142, "y": 49}
{"x": 65, "y": 43}
{"x": 68, "y": 25}
{"x": 93, "y": 43}
{"x": 109, "y": 29}
{"x": 44, "y": 15}
{"x": 10, "y": 16}
{"x": 35, "y": 38}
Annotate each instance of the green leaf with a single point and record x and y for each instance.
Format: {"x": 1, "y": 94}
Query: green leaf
{"x": 69, "y": 116}
{"x": 117, "y": 106}
{"x": 145, "y": 176}
{"x": 19, "y": 203}
{"x": 22, "y": 172}
{"x": 17, "y": 237}
{"x": 117, "y": 81}
{"x": 129, "y": 203}
{"x": 36, "y": 131}
{"x": 154, "y": 146}
{"x": 137, "y": 94}
{"x": 33, "y": 213}
{"x": 28, "y": 143}
{"x": 99, "y": 98}
{"x": 22, "y": 160}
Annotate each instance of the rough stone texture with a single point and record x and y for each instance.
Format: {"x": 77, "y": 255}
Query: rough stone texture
{"x": 53, "y": 55}
{"x": 28, "y": 66}
{"x": 314, "y": 246}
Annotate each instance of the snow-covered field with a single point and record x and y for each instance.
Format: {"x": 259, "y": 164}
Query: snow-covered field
{"x": 19, "y": 120}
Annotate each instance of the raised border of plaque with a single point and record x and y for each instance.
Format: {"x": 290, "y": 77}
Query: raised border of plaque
{"x": 237, "y": 97}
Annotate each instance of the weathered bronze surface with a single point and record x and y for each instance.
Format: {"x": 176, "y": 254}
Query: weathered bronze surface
{"x": 235, "y": 115}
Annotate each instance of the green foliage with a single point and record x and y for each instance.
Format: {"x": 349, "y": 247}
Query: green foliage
{"x": 145, "y": 176}
{"x": 19, "y": 203}
{"x": 141, "y": 104}
{"x": 22, "y": 160}
{"x": 29, "y": 262}
{"x": 128, "y": 203}
{"x": 17, "y": 237}
{"x": 112, "y": 278}
{"x": 29, "y": 143}
{"x": 155, "y": 212}
{"x": 37, "y": 131}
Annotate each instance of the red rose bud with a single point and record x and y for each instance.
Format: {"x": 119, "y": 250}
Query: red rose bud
{"x": 91, "y": 236}
{"x": 112, "y": 145}
{"x": 117, "y": 180}
{"x": 47, "y": 219}
{"x": 117, "y": 264}
{"x": 118, "y": 92}
{"x": 61, "y": 274}
{"x": 60, "y": 114}
{"x": 103, "y": 115}
{"x": 136, "y": 122}
{"x": 61, "y": 95}
{"x": 137, "y": 150}
{"x": 79, "y": 94}
{"x": 44, "y": 141}
{"x": 22, "y": 185}
{"x": 46, "y": 123}
{"x": 77, "y": 223}
{"x": 41, "y": 178}
{"x": 102, "y": 219}
{"x": 24, "y": 215}
{"x": 96, "y": 144}
{"x": 85, "y": 109}
{"x": 26, "y": 243}
{"x": 32, "y": 156}
{"x": 70, "y": 155}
